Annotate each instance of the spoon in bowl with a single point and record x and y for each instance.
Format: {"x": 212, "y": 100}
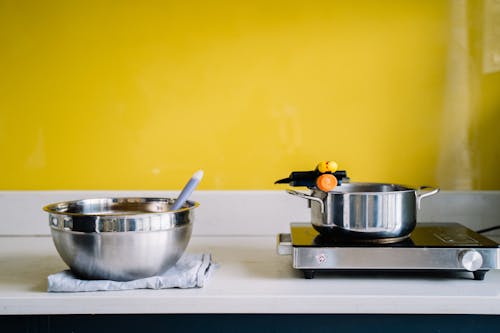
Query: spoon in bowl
{"x": 187, "y": 190}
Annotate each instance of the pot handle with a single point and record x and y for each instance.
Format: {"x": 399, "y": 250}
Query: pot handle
{"x": 423, "y": 192}
{"x": 308, "y": 197}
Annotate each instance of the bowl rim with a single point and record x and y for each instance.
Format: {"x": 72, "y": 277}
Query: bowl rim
{"x": 56, "y": 208}
{"x": 120, "y": 221}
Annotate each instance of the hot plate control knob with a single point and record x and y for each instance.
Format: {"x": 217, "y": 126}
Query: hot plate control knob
{"x": 471, "y": 260}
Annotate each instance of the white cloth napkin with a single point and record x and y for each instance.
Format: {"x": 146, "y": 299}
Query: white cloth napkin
{"x": 191, "y": 271}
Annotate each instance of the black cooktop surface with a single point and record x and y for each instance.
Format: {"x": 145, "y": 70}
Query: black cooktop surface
{"x": 425, "y": 235}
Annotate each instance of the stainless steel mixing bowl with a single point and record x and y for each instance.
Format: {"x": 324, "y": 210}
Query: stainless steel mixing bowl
{"x": 120, "y": 239}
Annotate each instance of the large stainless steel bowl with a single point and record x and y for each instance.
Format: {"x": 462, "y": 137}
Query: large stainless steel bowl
{"x": 120, "y": 239}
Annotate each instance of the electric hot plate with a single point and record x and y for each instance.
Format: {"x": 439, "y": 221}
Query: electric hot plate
{"x": 430, "y": 247}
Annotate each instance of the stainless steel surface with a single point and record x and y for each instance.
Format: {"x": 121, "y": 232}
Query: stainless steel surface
{"x": 471, "y": 260}
{"x": 424, "y": 192}
{"x": 284, "y": 244}
{"x": 120, "y": 239}
{"x": 309, "y": 197}
{"x": 431, "y": 247}
{"x": 389, "y": 258}
{"x": 365, "y": 210}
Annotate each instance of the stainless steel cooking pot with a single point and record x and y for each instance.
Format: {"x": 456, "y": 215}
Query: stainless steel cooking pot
{"x": 366, "y": 211}
{"x": 120, "y": 239}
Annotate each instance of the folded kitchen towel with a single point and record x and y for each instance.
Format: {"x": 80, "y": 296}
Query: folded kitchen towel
{"x": 191, "y": 271}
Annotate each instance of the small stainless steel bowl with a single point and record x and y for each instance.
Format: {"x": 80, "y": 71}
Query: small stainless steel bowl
{"x": 120, "y": 239}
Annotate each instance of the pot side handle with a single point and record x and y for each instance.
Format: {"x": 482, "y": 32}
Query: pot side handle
{"x": 308, "y": 197}
{"x": 423, "y": 192}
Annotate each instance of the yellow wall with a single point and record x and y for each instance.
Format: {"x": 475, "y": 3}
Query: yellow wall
{"x": 484, "y": 131}
{"x": 140, "y": 94}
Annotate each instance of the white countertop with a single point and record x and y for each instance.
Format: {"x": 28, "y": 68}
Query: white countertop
{"x": 251, "y": 278}
{"x": 239, "y": 228}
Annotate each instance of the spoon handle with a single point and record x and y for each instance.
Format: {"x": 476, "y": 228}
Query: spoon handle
{"x": 187, "y": 190}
